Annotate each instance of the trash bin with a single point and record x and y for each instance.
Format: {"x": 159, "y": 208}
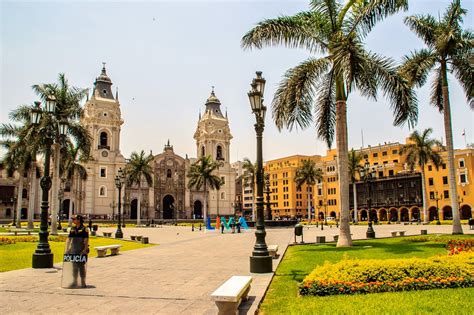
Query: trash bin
{"x": 299, "y": 232}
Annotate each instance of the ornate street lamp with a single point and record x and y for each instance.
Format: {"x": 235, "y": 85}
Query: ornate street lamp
{"x": 43, "y": 257}
{"x": 119, "y": 182}
{"x": 267, "y": 192}
{"x": 220, "y": 162}
{"x": 260, "y": 261}
{"x": 368, "y": 175}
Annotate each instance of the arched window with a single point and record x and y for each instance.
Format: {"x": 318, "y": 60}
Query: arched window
{"x": 168, "y": 173}
{"x": 203, "y": 151}
{"x": 102, "y": 191}
{"x": 222, "y": 195}
{"x": 103, "y": 138}
{"x": 219, "y": 153}
{"x": 24, "y": 194}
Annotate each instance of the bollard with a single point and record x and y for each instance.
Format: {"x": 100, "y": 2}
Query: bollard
{"x": 199, "y": 227}
{"x": 144, "y": 240}
{"x": 192, "y": 229}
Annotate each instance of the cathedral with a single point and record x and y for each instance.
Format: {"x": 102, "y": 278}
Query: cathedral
{"x": 169, "y": 196}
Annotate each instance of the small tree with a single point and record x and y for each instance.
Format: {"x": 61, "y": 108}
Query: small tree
{"x": 420, "y": 151}
{"x": 200, "y": 174}
{"x": 308, "y": 174}
{"x": 137, "y": 168}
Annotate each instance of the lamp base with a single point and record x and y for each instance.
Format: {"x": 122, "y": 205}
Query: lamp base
{"x": 261, "y": 264}
{"x": 42, "y": 260}
{"x": 118, "y": 234}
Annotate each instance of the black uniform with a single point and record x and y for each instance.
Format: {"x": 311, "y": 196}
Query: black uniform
{"x": 77, "y": 241}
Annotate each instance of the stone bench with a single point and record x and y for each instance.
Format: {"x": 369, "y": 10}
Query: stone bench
{"x": 136, "y": 237}
{"x": 400, "y": 232}
{"x": 229, "y": 295}
{"x": 102, "y": 250}
{"x": 21, "y": 232}
{"x": 107, "y": 234}
{"x": 272, "y": 250}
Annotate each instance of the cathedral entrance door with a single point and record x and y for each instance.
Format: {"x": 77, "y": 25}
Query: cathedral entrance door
{"x": 133, "y": 209}
{"x": 197, "y": 209}
{"x": 168, "y": 207}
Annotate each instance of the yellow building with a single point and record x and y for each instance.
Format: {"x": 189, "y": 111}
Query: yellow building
{"x": 395, "y": 194}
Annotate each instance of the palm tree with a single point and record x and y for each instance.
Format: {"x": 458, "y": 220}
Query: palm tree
{"x": 201, "y": 174}
{"x": 308, "y": 174}
{"x": 68, "y": 108}
{"x": 354, "y": 167}
{"x": 21, "y": 144}
{"x": 250, "y": 173}
{"x": 138, "y": 168}
{"x": 74, "y": 172}
{"x": 448, "y": 50}
{"x": 420, "y": 151}
{"x": 322, "y": 85}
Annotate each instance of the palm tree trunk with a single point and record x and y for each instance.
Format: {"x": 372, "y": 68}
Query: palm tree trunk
{"x": 309, "y": 209}
{"x": 344, "y": 239}
{"x": 32, "y": 195}
{"x": 71, "y": 197}
{"x": 423, "y": 194}
{"x": 253, "y": 200}
{"x": 139, "y": 210}
{"x": 19, "y": 199}
{"x": 205, "y": 205}
{"x": 54, "y": 192}
{"x": 354, "y": 193}
{"x": 457, "y": 228}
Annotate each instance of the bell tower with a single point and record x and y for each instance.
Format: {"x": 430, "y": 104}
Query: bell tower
{"x": 102, "y": 118}
{"x": 213, "y": 138}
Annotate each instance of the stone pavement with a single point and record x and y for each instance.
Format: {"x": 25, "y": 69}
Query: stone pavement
{"x": 176, "y": 277}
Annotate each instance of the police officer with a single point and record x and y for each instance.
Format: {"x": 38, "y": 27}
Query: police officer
{"x": 78, "y": 244}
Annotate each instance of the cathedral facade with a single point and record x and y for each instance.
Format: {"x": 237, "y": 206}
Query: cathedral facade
{"x": 169, "y": 197}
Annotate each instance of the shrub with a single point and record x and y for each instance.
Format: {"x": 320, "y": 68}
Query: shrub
{"x": 369, "y": 276}
{"x": 5, "y": 240}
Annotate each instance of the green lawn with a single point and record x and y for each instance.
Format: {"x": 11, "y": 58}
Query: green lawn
{"x": 282, "y": 295}
{"x": 19, "y": 255}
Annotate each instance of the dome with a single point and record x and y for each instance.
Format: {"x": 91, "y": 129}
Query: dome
{"x": 213, "y": 99}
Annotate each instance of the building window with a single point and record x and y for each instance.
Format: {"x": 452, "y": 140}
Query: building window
{"x": 430, "y": 181}
{"x": 103, "y": 172}
{"x": 222, "y": 195}
{"x": 443, "y": 166}
{"x": 380, "y": 173}
{"x": 430, "y": 168}
{"x": 103, "y": 138}
{"x": 375, "y": 154}
{"x": 24, "y": 194}
{"x": 446, "y": 194}
{"x": 461, "y": 163}
{"x": 384, "y": 153}
{"x": 462, "y": 178}
{"x": 203, "y": 151}
{"x": 395, "y": 161}
{"x": 168, "y": 173}
{"x": 431, "y": 194}
{"x": 366, "y": 156}
{"x": 8, "y": 212}
{"x": 222, "y": 180}
{"x": 102, "y": 191}
{"x": 445, "y": 180}
{"x": 394, "y": 151}
{"x": 390, "y": 173}
{"x": 219, "y": 153}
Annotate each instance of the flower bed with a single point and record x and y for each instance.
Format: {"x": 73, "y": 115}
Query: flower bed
{"x": 372, "y": 276}
{"x": 459, "y": 246}
{"x": 5, "y": 240}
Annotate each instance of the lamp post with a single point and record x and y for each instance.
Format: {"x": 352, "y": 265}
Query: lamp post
{"x": 119, "y": 182}
{"x": 368, "y": 176}
{"x": 325, "y": 204}
{"x": 418, "y": 201}
{"x": 260, "y": 261}
{"x": 267, "y": 191}
{"x": 60, "y": 211}
{"x": 12, "y": 200}
{"x": 43, "y": 257}
{"x": 437, "y": 198}
{"x": 319, "y": 210}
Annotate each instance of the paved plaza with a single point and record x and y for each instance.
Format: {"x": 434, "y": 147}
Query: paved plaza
{"x": 176, "y": 277}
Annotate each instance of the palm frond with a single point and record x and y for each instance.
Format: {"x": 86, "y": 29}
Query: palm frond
{"x": 299, "y": 30}
{"x": 366, "y": 14}
{"x": 326, "y": 108}
{"x": 293, "y": 100}
{"x": 424, "y": 26}
{"x": 416, "y": 66}
{"x": 436, "y": 97}
{"x": 400, "y": 94}
{"x": 464, "y": 72}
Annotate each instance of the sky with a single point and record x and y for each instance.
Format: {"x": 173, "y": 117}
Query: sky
{"x": 164, "y": 56}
